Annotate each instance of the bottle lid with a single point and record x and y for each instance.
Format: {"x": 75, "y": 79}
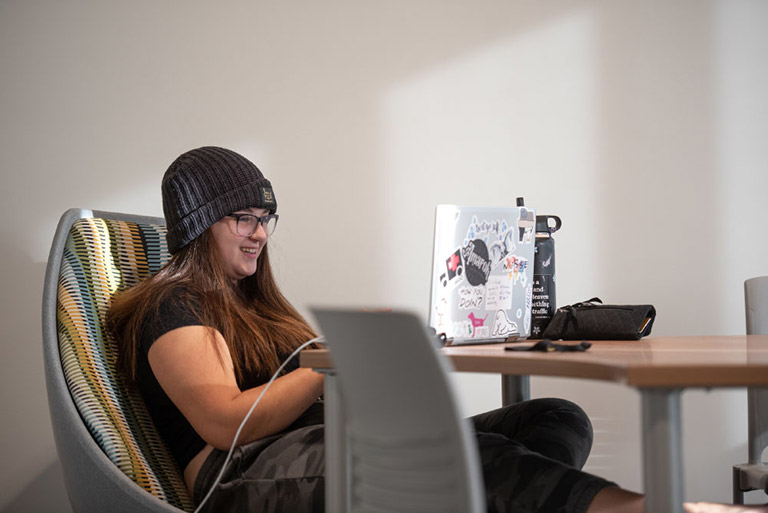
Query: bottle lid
{"x": 543, "y": 224}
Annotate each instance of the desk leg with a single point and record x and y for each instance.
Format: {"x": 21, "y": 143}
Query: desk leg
{"x": 515, "y": 389}
{"x": 336, "y": 467}
{"x": 662, "y": 450}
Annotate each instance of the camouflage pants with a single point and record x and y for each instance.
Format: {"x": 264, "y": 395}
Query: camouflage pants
{"x": 531, "y": 454}
{"x": 278, "y": 474}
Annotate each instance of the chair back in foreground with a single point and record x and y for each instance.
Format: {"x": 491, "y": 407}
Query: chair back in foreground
{"x": 753, "y": 475}
{"x": 409, "y": 448}
{"x": 111, "y": 454}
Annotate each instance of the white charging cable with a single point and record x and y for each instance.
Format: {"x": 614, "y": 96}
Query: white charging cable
{"x": 319, "y": 340}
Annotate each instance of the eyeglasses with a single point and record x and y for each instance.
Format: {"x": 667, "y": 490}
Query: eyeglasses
{"x": 248, "y": 223}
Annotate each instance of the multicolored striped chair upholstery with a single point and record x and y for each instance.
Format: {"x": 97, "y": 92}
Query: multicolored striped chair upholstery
{"x": 100, "y": 258}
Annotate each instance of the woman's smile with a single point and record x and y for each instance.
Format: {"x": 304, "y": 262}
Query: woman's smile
{"x": 239, "y": 254}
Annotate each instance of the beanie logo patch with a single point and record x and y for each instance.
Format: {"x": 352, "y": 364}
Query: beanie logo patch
{"x": 267, "y": 196}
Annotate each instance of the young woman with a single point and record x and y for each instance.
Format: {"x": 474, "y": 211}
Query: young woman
{"x": 203, "y": 336}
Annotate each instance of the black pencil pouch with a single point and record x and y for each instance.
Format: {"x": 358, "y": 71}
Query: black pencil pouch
{"x": 592, "y": 320}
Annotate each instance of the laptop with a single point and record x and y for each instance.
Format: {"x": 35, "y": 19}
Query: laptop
{"x": 482, "y": 274}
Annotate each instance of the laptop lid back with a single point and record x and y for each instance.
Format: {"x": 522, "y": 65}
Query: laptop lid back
{"x": 482, "y": 273}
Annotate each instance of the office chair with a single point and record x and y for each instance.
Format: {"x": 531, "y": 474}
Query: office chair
{"x": 753, "y": 475}
{"x": 409, "y": 449}
{"x": 112, "y": 457}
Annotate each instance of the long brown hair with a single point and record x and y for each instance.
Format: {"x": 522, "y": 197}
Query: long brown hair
{"x": 257, "y": 322}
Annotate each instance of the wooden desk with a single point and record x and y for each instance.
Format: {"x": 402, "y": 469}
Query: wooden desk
{"x": 659, "y": 367}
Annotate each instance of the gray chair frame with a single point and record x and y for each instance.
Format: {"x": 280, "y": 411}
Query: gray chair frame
{"x": 408, "y": 447}
{"x": 753, "y": 475}
{"x": 92, "y": 481}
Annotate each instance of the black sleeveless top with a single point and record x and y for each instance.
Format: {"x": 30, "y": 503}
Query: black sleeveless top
{"x": 181, "y": 438}
{"x": 178, "y": 433}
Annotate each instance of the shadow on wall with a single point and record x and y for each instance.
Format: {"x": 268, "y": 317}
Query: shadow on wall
{"x": 43, "y": 494}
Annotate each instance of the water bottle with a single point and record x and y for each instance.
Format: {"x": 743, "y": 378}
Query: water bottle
{"x": 544, "y": 305}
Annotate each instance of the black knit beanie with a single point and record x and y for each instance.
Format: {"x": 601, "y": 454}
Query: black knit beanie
{"x": 202, "y": 186}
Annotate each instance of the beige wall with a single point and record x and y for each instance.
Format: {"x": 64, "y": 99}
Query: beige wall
{"x": 642, "y": 124}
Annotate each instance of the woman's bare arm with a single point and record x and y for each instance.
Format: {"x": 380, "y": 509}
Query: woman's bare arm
{"x": 205, "y": 390}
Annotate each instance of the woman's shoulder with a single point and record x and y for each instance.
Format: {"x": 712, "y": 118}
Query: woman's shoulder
{"x": 177, "y": 307}
{"x": 178, "y": 292}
